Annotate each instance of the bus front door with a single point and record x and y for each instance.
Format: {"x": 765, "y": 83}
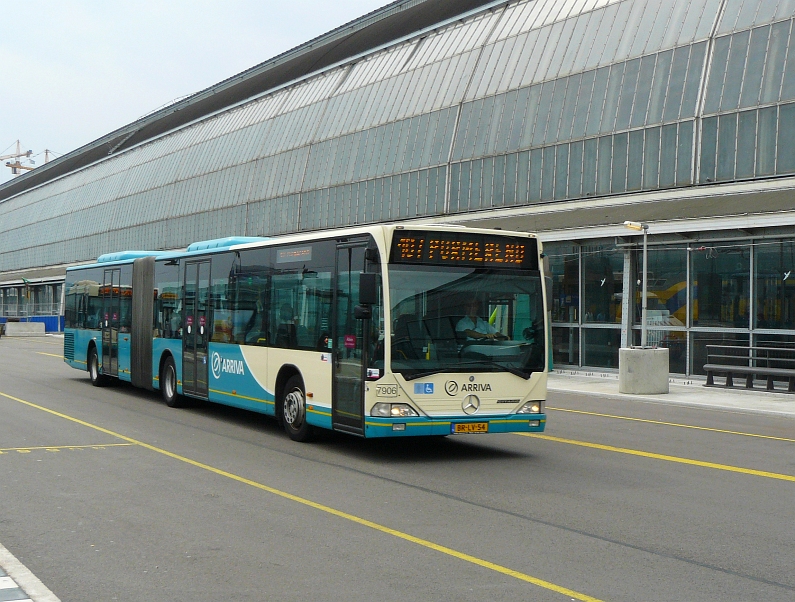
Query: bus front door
{"x": 347, "y": 411}
{"x": 111, "y": 309}
{"x": 196, "y": 329}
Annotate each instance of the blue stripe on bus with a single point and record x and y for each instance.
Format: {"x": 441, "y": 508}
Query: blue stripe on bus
{"x": 319, "y": 416}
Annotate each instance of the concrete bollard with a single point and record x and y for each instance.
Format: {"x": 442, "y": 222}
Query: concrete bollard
{"x": 643, "y": 371}
{"x": 25, "y": 329}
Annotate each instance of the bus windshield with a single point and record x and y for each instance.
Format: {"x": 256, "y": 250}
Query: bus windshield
{"x": 465, "y": 319}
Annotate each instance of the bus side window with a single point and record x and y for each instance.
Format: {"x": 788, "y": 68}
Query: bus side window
{"x": 285, "y": 299}
{"x": 168, "y": 304}
{"x": 253, "y": 308}
{"x": 93, "y": 316}
{"x": 222, "y": 291}
{"x": 301, "y": 309}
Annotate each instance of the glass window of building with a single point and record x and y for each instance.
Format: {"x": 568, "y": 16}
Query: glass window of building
{"x": 602, "y": 268}
{"x": 786, "y": 341}
{"x": 14, "y": 302}
{"x": 666, "y": 303}
{"x": 564, "y": 265}
{"x": 564, "y": 304}
{"x": 666, "y": 289}
{"x": 566, "y": 345}
{"x": 602, "y": 286}
{"x": 600, "y": 347}
{"x": 700, "y": 341}
{"x": 721, "y": 283}
{"x": 775, "y": 285}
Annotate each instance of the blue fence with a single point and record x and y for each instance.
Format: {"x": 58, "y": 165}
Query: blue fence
{"x": 51, "y": 323}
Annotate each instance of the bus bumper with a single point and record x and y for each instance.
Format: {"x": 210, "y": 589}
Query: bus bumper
{"x": 412, "y": 427}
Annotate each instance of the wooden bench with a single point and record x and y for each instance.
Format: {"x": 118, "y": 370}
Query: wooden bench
{"x": 771, "y": 363}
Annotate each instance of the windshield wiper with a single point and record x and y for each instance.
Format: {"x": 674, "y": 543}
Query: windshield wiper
{"x": 511, "y": 369}
{"x": 422, "y": 374}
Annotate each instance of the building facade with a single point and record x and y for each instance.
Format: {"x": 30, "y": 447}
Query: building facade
{"x": 563, "y": 117}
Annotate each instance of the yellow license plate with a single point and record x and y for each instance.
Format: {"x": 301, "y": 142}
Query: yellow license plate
{"x": 471, "y": 427}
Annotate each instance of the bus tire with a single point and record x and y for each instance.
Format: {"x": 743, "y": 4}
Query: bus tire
{"x": 294, "y": 411}
{"x": 97, "y": 379}
{"x": 168, "y": 384}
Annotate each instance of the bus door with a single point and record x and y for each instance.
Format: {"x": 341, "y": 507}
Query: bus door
{"x": 196, "y": 328}
{"x": 111, "y": 310}
{"x": 347, "y": 406}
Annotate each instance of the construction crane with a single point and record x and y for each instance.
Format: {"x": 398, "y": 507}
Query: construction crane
{"x": 16, "y": 165}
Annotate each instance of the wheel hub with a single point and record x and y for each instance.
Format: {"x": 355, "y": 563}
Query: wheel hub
{"x": 294, "y": 408}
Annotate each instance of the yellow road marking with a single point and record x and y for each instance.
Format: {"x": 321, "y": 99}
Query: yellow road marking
{"x": 55, "y": 448}
{"x": 643, "y": 454}
{"x": 50, "y": 354}
{"x": 327, "y": 509}
{"x": 684, "y": 426}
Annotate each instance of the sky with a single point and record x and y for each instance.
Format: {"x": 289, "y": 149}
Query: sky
{"x": 72, "y": 71}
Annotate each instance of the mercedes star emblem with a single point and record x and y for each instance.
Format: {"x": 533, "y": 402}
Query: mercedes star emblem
{"x": 471, "y": 404}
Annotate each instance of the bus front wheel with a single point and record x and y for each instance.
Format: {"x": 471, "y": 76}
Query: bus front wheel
{"x": 168, "y": 384}
{"x": 294, "y": 411}
{"x": 97, "y": 379}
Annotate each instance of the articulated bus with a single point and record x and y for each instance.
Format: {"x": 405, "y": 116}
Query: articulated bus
{"x": 369, "y": 330}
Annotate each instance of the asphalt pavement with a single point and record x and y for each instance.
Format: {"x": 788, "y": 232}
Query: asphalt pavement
{"x": 582, "y": 505}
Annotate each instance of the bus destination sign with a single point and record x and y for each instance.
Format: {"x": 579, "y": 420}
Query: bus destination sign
{"x": 464, "y": 249}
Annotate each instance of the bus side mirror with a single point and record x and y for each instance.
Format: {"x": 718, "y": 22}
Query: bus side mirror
{"x": 368, "y": 288}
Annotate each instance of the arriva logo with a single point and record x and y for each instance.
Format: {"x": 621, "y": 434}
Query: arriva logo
{"x": 475, "y": 387}
{"x": 451, "y": 387}
{"x": 220, "y": 365}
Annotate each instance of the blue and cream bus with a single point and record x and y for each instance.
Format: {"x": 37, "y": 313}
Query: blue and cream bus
{"x": 361, "y": 330}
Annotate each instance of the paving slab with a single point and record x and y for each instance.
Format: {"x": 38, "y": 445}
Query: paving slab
{"x": 683, "y": 391}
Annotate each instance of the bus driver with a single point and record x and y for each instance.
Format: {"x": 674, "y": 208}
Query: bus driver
{"x": 474, "y": 327}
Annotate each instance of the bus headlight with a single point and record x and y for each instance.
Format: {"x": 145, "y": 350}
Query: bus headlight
{"x": 532, "y": 407}
{"x": 393, "y": 410}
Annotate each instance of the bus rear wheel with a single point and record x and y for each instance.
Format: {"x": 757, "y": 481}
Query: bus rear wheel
{"x": 168, "y": 384}
{"x": 97, "y": 379}
{"x": 294, "y": 411}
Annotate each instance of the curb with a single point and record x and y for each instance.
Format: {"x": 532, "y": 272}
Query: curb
{"x": 17, "y": 580}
